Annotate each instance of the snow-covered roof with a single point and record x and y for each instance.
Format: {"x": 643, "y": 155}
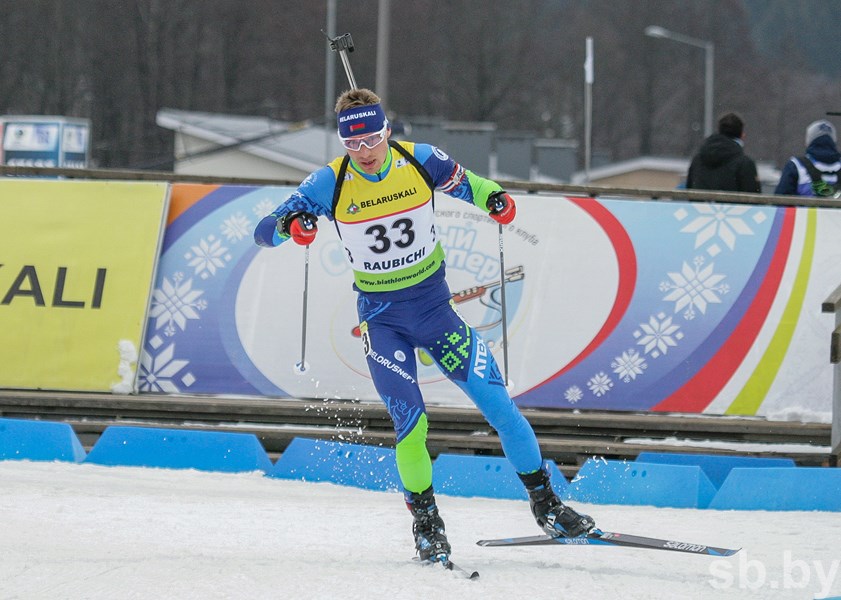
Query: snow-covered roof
{"x": 301, "y": 145}
{"x": 641, "y": 163}
{"x": 767, "y": 173}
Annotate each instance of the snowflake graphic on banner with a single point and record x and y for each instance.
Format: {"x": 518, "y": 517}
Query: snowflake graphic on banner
{"x": 263, "y": 208}
{"x": 573, "y": 394}
{"x": 658, "y": 335}
{"x": 208, "y": 256}
{"x": 175, "y": 303}
{"x": 716, "y": 222}
{"x": 629, "y": 365}
{"x": 600, "y": 384}
{"x": 162, "y": 372}
{"x": 236, "y": 227}
{"x": 694, "y": 287}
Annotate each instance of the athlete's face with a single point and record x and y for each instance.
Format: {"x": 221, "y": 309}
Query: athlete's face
{"x": 371, "y": 160}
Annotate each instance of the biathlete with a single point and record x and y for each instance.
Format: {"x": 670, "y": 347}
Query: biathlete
{"x": 380, "y": 196}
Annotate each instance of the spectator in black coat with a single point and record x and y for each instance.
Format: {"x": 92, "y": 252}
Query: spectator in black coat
{"x": 721, "y": 163}
{"x": 822, "y": 158}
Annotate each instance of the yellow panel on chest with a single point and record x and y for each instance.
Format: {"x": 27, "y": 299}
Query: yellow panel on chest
{"x": 402, "y": 189}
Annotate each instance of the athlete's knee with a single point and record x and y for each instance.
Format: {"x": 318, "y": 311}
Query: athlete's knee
{"x": 507, "y": 418}
{"x": 411, "y": 436}
{"x": 406, "y": 410}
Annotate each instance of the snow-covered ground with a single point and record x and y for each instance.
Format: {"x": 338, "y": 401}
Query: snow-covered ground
{"x": 85, "y": 531}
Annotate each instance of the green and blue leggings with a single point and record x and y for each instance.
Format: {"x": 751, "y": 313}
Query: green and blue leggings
{"x": 391, "y": 331}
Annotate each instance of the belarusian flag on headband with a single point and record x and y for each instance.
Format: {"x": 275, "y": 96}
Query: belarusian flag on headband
{"x": 361, "y": 119}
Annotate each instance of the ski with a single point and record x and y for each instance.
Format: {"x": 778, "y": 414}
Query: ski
{"x": 449, "y": 565}
{"x": 610, "y": 538}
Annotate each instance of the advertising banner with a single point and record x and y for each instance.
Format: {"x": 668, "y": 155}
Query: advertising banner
{"x": 39, "y": 141}
{"x": 611, "y": 304}
{"x": 75, "y": 146}
{"x": 77, "y": 262}
{"x": 31, "y": 144}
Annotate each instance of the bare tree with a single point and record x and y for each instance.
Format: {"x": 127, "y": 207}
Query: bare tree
{"x": 518, "y": 63}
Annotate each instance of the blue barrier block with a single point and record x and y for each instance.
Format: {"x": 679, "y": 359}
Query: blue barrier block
{"x": 798, "y": 488}
{"x": 484, "y": 476}
{"x": 356, "y": 465}
{"x": 179, "y": 449}
{"x": 619, "y": 482}
{"x": 715, "y": 466}
{"x": 39, "y": 440}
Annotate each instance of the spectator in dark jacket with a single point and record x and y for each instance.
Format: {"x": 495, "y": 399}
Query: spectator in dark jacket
{"x": 721, "y": 163}
{"x": 821, "y": 151}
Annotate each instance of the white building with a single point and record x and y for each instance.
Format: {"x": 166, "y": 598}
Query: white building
{"x": 262, "y": 148}
{"x": 658, "y": 173}
{"x": 247, "y": 147}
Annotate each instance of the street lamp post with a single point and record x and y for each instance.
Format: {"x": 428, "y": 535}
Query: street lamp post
{"x": 659, "y": 32}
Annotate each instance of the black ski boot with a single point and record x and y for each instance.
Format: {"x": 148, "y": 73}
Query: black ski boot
{"x": 428, "y": 528}
{"x": 556, "y": 518}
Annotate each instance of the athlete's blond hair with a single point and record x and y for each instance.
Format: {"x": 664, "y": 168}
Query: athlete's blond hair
{"x": 354, "y": 98}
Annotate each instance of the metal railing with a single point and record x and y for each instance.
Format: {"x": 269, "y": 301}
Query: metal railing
{"x": 592, "y": 191}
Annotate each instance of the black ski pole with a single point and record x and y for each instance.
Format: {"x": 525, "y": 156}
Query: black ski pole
{"x": 504, "y": 312}
{"x": 302, "y": 366}
{"x": 343, "y": 44}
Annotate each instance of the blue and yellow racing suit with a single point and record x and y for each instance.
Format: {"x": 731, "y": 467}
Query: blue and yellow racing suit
{"x": 386, "y": 224}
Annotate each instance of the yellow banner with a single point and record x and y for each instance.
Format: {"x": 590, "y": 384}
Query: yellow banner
{"x": 77, "y": 260}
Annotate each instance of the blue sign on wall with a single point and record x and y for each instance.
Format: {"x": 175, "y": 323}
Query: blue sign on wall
{"x": 36, "y": 141}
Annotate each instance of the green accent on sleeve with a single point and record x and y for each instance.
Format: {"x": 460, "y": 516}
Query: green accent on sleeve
{"x": 281, "y": 235}
{"x": 413, "y": 461}
{"x": 482, "y": 189}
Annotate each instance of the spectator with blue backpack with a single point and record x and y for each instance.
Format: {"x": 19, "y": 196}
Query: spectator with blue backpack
{"x": 816, "y": 173}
